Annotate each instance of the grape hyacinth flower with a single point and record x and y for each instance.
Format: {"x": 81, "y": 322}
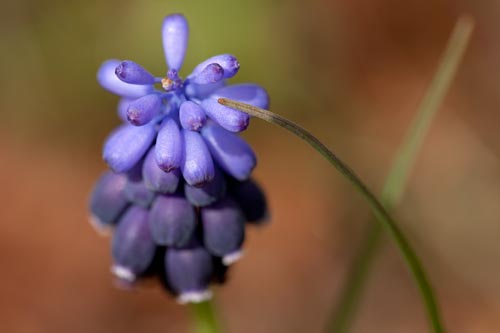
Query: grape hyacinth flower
{"x": 179, "y": 186}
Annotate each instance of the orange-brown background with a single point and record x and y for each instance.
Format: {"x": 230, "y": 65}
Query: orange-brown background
{"x": 351, "y": 71}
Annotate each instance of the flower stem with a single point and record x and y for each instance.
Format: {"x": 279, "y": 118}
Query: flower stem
{"x": 378, "y": 209}
{"x": 204, "y": 317}
{"x": 398, "y": 176}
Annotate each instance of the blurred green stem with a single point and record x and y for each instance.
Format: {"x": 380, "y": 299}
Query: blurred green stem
{"x": 400, "y": 170}
{"x": 378, "y": 209}
{"x": 204, "y": 317}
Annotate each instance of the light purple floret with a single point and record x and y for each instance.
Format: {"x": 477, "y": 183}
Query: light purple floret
{"x": 198, "y": 167}
{"x": 108, "y": 80}
{"x": 169, "y": 146}
{"x": 232, "y": 153}
{"x": 175, "y": 33}
{"x": 130, "y": 72}
{"x": 228, "y": 62}
{"x": 231, "y": 119}
{"x": 192, "y": 116}
{"x": 126, "y": 145}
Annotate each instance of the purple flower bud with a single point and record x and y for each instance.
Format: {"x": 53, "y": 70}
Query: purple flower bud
{"x": 144, "y": 109}
{"x": 228, "y": 62}
{"x": 223, "y": 229}
{"x": 126, "y": 145}
{"x": 231, "y": 119}
{"x": 172, "y": 220}
{"x": 208, "y": 193}
{"x": 136, "y": 192}
{"x": 231, "y": 152}
{"x": 107, "y": 201}
{"x": 202, "y": 91}
{"x": 123, "y": 107}
{"x": 169, "y": 146}
{"x": 198, "y": 167}
{"x": 192, "y": 116}
{"x": 189, "y": 271}
{"x": 212, "y": 73}
{"x": 155, "y": 178}
{"x": 251, "y": 200}
{"x": 133, "y": 247}
{"x": 108, "y": 80}
{"x": 175, "y": 33}
{"x": 130, "y": 72}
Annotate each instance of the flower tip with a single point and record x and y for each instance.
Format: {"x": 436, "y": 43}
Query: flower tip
{"x": 100, "y": 227}
{"x": 233, "y": 257}
{"x": 194, "y": 297}
{"x": 123, "y": 273}
{"x": 175, "y": 32}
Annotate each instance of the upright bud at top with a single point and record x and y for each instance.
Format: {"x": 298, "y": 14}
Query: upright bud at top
{"x": 175, "y": 33}
{"x": 130, "y": 72}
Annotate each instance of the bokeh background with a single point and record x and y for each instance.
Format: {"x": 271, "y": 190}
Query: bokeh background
{"x": 353, "y": 72}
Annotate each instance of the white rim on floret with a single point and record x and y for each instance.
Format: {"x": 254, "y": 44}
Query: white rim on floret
{"x": 123, "y": 273}
{"x": 232, "y": 257}
{"x": 194, "y": 296}
{"x": 102, "y": 229}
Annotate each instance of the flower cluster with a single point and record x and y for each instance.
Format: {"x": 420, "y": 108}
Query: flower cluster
{"x": 179, "y": 191}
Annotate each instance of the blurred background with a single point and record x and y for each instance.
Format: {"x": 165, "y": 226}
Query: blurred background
{"x": 353, "y": 72}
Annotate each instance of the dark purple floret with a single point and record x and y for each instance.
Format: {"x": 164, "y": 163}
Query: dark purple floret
{"x": 189, "y": 272}
{"x": 209, "y": 193}
{"x": 223, "y": 229}
{"x": 251, "y": 199}
{"x": 156, "y": 179}
{"x": 133, "y": 247}
{"x": 108, "y": 201}
{"x": 172, "y": 220}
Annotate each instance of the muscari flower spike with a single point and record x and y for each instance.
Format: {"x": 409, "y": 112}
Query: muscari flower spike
{"x": 180, "y": 184}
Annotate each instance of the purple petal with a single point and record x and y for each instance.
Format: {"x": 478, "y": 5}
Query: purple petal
{"x": 144, "y": 109}
{"x": 202, "y": 91}
{"x": 212, "y": 73}
{"x": 137, "y": 193}
{"x": 107, "y": 201}
{"x": 169, "y": 146}
{"x": 231, "y": 119}
{"x": 123, "y": 107}
{"x": 228, "y": 62}
{"x": 198, "y": 167}
{"x": 126, "y": 145}
{"x": 130, "y": 72}
{"x": 108, "y": 80}
{"x": 232, "y": 153}
{"x": 223, "y": 228}
{"x": 189, "y": 271}
{"x": 172, "y": 220}
{"x": 133, "y": 247}
{"x": 175, "y": 33}
{"x": 208, "y": 193}
{"x": 155, "y": 178}
{"x": 192, "y": 116}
